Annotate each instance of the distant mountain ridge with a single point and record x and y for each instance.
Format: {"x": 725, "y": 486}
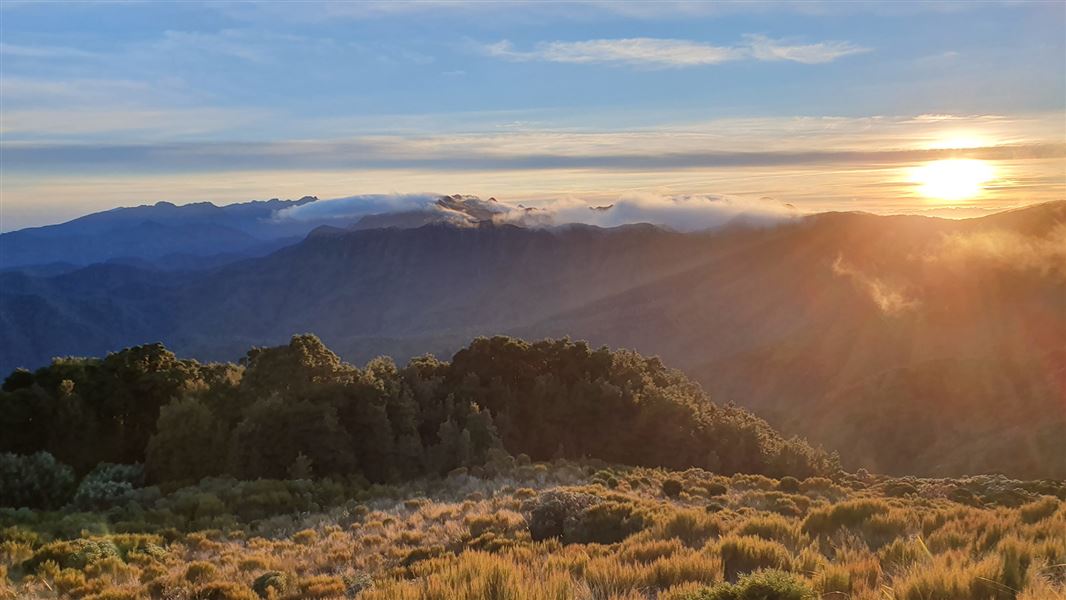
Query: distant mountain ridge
{"x": 853, "y": 329}
{"x": 158, "y": 231}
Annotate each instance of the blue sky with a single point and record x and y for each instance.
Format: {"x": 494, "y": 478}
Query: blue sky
{"x": 823, "y": 105}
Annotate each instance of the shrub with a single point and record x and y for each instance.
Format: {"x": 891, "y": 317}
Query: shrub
{"x": 322, "y": 586}
{"x": 271, "y": 580}
{"x": 73, "y": 554}
{"x": 898, "y": 489}
{"x": 789, "y": 485}
{"x": 849, "y": 514}
{"x": 1039, "y": 510}
{"x": 579, "y": 517}
{"x": 762, "y": 585}
{"x": 672, "y": 488}
{"x": 902, "y": 553}
{"x": 714, "y": 506}
{"x": 422, "y": 553}
{"x": 743, "y": 554}
{"x": 551, "y": 512}
{"x": 224, "y": 590}
{"x": 715, "y": 488}
{"x": 646, "y": 552}
{"x": 200, "y": 571}
{"x": 964, "y": 496}
{"x": 770, "y": 527}
{"x": 692, "y": 527}
{"x": 108, "y": 485}
{"x": 34, "y": 481}
{"x": 605, "y": 523}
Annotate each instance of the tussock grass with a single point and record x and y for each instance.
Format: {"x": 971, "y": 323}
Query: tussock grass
{"x": 473, "y": 537}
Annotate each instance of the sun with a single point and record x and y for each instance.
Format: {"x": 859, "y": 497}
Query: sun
{"x": 953, "y": 179}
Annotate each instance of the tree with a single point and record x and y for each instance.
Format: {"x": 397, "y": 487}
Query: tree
{"x": 189, "y": 443}
{"x": 274, "y": 432}
{"x": 293, "y": 371}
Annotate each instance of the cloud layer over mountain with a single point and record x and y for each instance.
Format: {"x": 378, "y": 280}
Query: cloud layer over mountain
{"x": 679, "y": 212}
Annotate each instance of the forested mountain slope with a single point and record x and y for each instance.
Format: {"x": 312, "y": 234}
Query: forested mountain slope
{"x": 906, "y": 342}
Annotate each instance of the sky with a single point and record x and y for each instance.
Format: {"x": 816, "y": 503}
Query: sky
{"x": 951, "y": 109}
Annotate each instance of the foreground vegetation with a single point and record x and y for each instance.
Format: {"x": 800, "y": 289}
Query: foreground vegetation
{"x": 498, "y": 475}
{"x": 521, "y": 530}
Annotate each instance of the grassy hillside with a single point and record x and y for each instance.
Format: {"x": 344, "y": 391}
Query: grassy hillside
{"x": 518, "y": 530}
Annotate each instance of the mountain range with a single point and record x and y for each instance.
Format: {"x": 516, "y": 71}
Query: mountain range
{"x": 910, "y": 344}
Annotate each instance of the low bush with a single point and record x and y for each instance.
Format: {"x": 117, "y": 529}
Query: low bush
{"x": 742, "y": 554}
{"x": 762, "y": 585}
{"x": 1039, "y": 510}
{"x": 271, "y": 583}
{"x": 34, "y": 481}
{"x": 844, "y": 515}
{"x": 672, "y": 488}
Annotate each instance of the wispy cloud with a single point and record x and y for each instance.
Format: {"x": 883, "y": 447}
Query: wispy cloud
{"x": 44, "y": 52}
{"x": 764, "y": 48}
{"x": 658, "y": 53}
{"x": 648, "y": 52}
{"x": 892, "y": 298}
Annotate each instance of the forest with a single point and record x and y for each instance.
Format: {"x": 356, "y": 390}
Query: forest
{"x": 298, "y": 411}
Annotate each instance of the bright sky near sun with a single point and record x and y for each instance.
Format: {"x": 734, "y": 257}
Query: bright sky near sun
{"x": 948, "y": 108}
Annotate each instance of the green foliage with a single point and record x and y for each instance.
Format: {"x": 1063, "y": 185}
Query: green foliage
{"x": 298, "y": 411}
{"x": 766, "y": 584}
{"x": 553, "y": 513}
{"x": 275, "y": 431}
{"x": 576, "y": 517}
{"x": 189, "y": 443}
{"x": 618, "y": 406}
{"x": 107, "y": 485}
{"x": 34, "y": 481}
{"x": 271, "y": 581}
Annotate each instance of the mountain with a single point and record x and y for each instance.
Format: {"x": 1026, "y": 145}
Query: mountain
{"x": 911, "y": 344}
{"x": 160, "y": 232}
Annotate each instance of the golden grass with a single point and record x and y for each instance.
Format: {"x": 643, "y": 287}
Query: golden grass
{"x": 469, "y": 538}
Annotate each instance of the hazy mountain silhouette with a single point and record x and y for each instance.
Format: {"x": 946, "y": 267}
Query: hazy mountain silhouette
{"x": 161, "y": 231}
{"x": 910, "y": 344}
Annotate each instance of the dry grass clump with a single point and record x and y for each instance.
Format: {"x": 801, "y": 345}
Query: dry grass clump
{"x": 574, "y": 536}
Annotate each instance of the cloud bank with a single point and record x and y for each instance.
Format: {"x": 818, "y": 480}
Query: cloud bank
{"x": 678, "y": 212}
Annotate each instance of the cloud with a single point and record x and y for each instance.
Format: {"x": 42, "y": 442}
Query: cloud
{"x": 681, "y": 212}
{"x": 764, "y": 48}
{"x": 45, "y": 52}
{"x": 452, "y": 153}
{"x": 353, "y": 207}
{"x": 647, "y": 52}
{"x": 1044, "y": 255}
{"x": 658, "y": 53}
{"x": 890, "y": 298}
{"x": 678, "y": 212}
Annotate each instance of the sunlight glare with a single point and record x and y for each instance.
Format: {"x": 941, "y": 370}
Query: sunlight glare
{"x": 953, "y": 179}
